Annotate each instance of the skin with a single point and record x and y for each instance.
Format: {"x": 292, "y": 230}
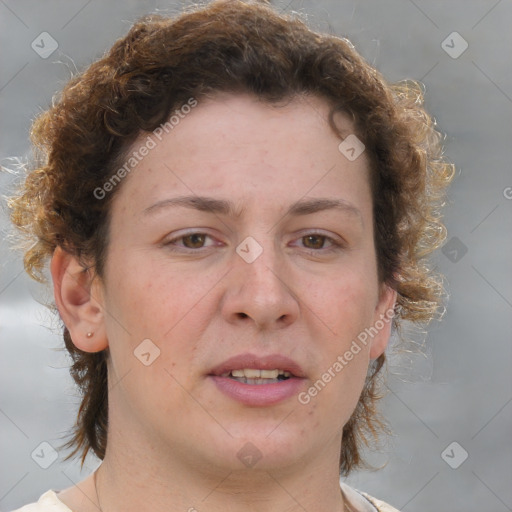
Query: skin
{"x": 173, "y": 436}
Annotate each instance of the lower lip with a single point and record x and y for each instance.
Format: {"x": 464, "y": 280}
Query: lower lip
{"x": 259, "y": 394}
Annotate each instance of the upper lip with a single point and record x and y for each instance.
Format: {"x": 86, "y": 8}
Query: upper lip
{"x": 268, "y": 362}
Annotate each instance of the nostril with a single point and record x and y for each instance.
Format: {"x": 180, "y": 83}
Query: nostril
{"x": 242, "y": 315}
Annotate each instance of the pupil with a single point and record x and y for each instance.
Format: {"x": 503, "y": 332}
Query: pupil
{"x": 197, "y": 240}
{"x": 318, "y": 238}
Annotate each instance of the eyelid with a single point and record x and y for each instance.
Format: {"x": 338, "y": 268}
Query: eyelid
{"x": 336, "y": 242}
{"x": 319, "y": 232}
{"x": 179, "y": 236}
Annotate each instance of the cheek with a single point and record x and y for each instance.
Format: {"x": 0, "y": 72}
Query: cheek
{"x": 345, "y": 304}
{"x": 144, "y": 297}
{"x": 156, "y": 302}
{"x": 152, "y": 327}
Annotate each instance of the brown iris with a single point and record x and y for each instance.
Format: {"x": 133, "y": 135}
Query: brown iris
{"x": 317, "y": 241}
{"x": 196, "y": 240}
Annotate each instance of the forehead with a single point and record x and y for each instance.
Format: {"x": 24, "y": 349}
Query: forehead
{"x": 241, "y": 146}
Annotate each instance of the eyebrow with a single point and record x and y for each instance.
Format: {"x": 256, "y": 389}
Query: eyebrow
{"x": 225, "y": 207}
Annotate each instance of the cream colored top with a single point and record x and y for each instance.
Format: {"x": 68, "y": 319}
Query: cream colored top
{"x": 359, "y": 501}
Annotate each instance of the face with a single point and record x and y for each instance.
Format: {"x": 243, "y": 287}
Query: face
{"x": 242, "y": 241}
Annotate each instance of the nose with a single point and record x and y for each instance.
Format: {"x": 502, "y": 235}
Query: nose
{"x": 260, "y": 293}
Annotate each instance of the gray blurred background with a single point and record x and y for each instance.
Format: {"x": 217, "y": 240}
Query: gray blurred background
{"x": 450, "y": 409}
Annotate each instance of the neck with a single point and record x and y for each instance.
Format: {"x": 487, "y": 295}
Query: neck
{"x": 126, "y": 481}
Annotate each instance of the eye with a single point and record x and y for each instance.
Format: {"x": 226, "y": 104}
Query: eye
{"x": 195, "y": 240}
{"x": 319, "y": 243}
{"x": 314, "y": 241}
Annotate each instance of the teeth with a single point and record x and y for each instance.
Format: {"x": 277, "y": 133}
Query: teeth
{"x": 258, "y": 381}
{"x": 252, "y": 373}
{"x": 248, "y": 373}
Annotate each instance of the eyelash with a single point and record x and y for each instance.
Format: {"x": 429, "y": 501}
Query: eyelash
{"x": 336, "y": 245}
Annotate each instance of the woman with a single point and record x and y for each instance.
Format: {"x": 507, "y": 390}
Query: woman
{"x": 237, "y": 211}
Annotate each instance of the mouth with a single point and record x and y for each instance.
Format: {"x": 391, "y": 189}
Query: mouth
{"x": 258, "y": 381}
{"x": 267, "y": 369}
{"x": 255, "y": 376}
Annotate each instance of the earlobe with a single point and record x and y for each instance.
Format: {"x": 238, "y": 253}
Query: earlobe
{"x": 383, "y": 320}
{"x": 79, "y": 302}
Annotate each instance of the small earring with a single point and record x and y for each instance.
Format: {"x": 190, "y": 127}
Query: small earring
{"x": 89, "y": 334}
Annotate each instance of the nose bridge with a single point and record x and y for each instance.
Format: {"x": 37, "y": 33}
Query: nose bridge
{"x": 258, "y": 287}
{"x": 260, "y": 267}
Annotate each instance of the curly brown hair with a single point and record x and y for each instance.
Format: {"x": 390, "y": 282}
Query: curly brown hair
{"x": 230, "y": 46}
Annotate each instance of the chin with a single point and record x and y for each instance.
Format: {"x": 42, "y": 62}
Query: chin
{"x": 270, "y": 447}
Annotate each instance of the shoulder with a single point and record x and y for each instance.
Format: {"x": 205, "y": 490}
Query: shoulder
{"x": 363, "y": 502}
{"x": 48, "y": 502}
{"x": 380, "y": 505}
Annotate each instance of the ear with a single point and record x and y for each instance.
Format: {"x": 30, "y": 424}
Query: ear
{"x": 79, "y": 300}
{"x": 382, "y": 321}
